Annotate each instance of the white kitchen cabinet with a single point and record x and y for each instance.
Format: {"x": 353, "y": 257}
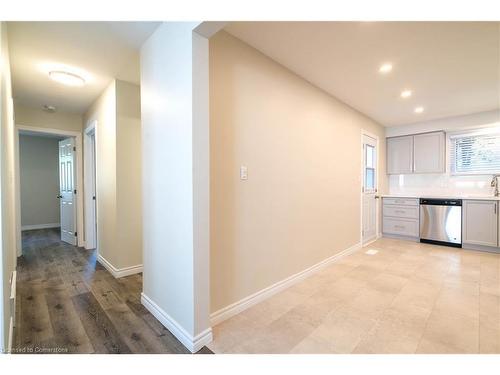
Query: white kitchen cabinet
{"x": 400, "y": 155}
{"x": 400, "y": 216}
{"x": 429, "y": 152}
{"x": 480, "y": 222}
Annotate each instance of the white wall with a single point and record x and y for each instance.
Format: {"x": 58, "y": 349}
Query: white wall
{"x": 118, "y": 174}
{"x": 174, "y": 103}
{"x": 444, "y": 183}
{"x": 39, "y": 180}
{"x": 7, "y": 191}
{"x": 39, "y": 118}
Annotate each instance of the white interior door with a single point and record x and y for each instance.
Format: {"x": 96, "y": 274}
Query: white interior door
{"x": 369, "y": 189}
{"x": 67, "y": 190}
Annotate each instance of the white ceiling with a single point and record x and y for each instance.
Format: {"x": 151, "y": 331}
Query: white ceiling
{"x": 103, "y": 50}
{"x": 451, "y": 67}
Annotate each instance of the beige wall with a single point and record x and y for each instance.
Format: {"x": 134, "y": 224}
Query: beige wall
{"x": 301, "y": 202}
{"x": 39, "y": 180}
{"x": 103, "y": 110}
{"x": 7, "y": 191}
{"x": 117, "y": 112}
{"x": 128, "y": 171}
{"x": 37, "y": 117}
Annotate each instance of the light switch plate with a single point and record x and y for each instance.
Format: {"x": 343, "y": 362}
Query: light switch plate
{"x": 243, "y": 172}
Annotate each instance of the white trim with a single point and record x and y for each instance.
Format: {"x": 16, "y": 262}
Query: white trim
{"x": 89, "y": 185}
{"x": 79, "y": 176}
{"x": 40, "y": 226}
{"x": 192, "y": 343}
{"x": 247, "y": 302}
{"x": 119, "y": 272}
{"x": 13, "y": 285}
{"x": 377, "y": 236}
{"x": 11, "y": 335}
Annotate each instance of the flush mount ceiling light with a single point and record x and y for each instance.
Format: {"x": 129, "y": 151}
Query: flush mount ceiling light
{"x": 66, "y": 78}
{"x": 406, "y": 93}
{"x": 385, "y": 68}
{"x": 419, "y": 109}
{"x": 49, "y": 108}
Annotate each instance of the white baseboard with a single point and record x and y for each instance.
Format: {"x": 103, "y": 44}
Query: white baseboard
{"x": 193, "y": 344}
{"x": 247, "y": 302}
{"x": 13, "y": 284}
{"x": 377, "y": 237}
{"x": 40, "y": 226}
{"x": 119, "y": 272}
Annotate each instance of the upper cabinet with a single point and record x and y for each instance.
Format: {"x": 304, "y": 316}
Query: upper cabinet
{"x": 429, "y": 153}
{"x": 400, "y": 155}
{"x": 420, "y": 153}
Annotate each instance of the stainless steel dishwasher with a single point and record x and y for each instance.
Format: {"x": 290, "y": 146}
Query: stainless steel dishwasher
{"x": 441, "y": 221}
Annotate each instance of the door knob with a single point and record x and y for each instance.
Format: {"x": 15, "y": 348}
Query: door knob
{"x": 59, "y": 196}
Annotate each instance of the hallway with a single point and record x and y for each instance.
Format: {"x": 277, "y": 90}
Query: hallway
{"x": 68, "y": 303}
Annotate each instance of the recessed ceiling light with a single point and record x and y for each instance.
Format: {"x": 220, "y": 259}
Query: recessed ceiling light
{"x": 406, "y": 93}
{"x": 385, "y": 68}
{"x": 66, "y": 78}
{"x": 419, "y": 109}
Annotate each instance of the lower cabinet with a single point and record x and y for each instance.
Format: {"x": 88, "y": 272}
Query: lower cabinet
{"x": 480, "y": 222}
{"x": 400, "y": 217}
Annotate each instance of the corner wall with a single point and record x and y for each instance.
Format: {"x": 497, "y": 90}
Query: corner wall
{"x": 8, "y": 216}
{"x": 174, "y": 106}
{"x": 301, "y": 202}
{"x": 118, "y": 176}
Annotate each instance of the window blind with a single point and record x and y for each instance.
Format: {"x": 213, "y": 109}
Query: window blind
{"x": 475, "y": 153}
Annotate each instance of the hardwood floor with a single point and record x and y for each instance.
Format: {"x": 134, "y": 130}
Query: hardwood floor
{"x": 68, "y": 303}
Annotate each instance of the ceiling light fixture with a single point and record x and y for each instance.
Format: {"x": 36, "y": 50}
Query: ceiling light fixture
{"x": 406, "y": 93}
{"x": 419, "y": 109}
{"x": 385, "y": 68}
{"x": 66, "y": 78}
{"x": 49, "y": 108}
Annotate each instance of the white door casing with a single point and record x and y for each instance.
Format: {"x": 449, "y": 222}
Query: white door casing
{"x": 369, "y": 188}
{"x": 67, "y": 177}
{"x": 90, "y": 187}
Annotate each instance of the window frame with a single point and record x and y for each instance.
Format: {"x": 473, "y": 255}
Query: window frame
{"x": 490, "y": 131}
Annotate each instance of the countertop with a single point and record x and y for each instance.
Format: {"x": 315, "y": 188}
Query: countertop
{"x": 434, "y": 196}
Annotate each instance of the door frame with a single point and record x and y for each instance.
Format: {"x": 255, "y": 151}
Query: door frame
{"x": 79, "y": 178}
{"x": 90, "y": 180}
{"x": 377, "y": 205}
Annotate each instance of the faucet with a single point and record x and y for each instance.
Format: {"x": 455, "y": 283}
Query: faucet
{"x": 494, "y": 183}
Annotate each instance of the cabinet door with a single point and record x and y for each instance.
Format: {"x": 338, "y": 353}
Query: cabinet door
{"x": 480, "y": 222}
{"x": 429, "y": 153}
{"x": 400, "y": 155}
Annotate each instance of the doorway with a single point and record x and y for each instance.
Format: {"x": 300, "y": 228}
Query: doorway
{"x": 64, "y": 198}
{"x": 369, "y": 227}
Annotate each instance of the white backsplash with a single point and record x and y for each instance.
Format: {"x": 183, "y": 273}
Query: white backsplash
{"x": 439, "y": 185}
{"x": 444, "y": 184}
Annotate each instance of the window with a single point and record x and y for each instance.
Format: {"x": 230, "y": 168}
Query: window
{"x": 369, "y": 168}
{"x": 475, "y": 153}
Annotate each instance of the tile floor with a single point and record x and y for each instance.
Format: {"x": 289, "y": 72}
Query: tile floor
{"x": 407, "y": 298}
